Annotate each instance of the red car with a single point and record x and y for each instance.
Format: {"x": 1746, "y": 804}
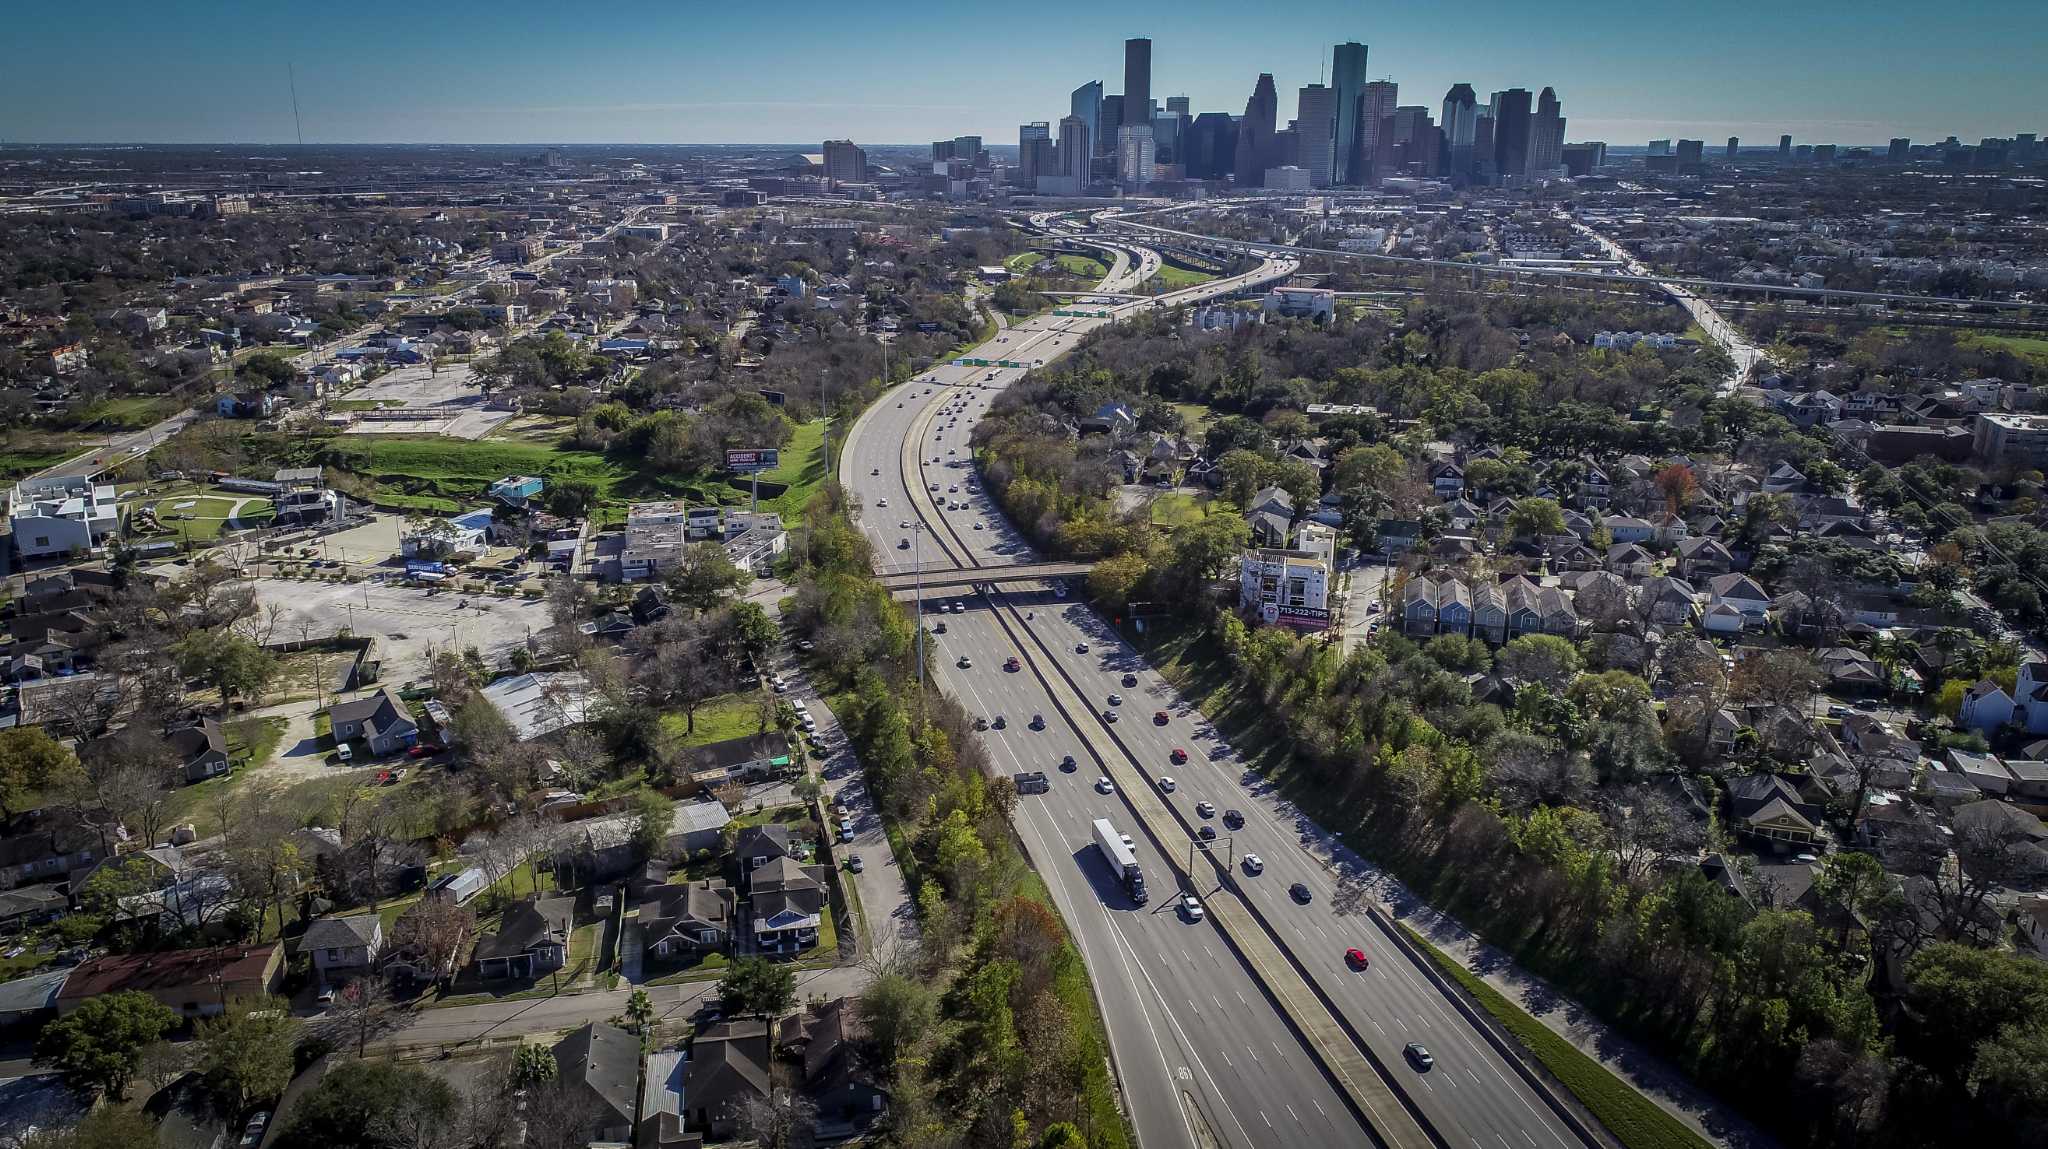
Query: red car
{"x": 422, "y": 750}
{"x": 1356, "y": 959}
{"x": 1179, "y": 756}
{"x": 1013, "y": 665}
{"x": 1159, "y": 718}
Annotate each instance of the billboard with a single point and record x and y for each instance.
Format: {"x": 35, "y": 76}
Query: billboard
{"x": 422, "y": 566}
{"x": 1300, "y": 617}
{"x": 750, "y": 461}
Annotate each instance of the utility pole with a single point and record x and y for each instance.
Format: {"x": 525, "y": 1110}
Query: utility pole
{"x": 917, "y": 567}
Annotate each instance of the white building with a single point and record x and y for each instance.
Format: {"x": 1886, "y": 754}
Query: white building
{"x": 1318, "y": 303}
{"x": 61, "y": 515}
{"x": 1287, "y": 587}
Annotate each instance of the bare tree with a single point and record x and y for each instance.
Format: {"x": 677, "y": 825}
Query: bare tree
{"x": 784, "y": 1119}
{"x": 1644, "y": 826}
{"x": 434, "y": 931}
{"x": 364, "y": 1012}
{"x": 561, "y": 1115}
{"x": 123, "y": 779}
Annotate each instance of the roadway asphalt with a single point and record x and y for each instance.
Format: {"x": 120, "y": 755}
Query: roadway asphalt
{"x": 1471, "y": 1095}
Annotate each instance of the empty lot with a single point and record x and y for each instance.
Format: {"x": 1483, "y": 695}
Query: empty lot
{"x": 408, "y": 621}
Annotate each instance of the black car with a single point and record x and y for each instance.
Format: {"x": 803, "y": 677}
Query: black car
{"x": 1208, "y": 833}
{"x": 1233, "y": 819}
{"x": 1068, "y": 764}
{"x": 1001, "y": 722}
{"x": 1419, "y": 1056}
{"x": 1300, "y": 892}
{"x": 1038, "y": 722}
{"x": 1130, "y": 680}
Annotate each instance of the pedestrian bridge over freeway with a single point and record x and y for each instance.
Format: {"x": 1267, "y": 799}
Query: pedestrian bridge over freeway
{"x": 962, "y": 576}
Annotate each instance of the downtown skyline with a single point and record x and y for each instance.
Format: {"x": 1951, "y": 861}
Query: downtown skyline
{"x": 632, "y": 73}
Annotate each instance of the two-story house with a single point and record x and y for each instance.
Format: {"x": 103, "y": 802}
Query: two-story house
{"x": 343, "y": 948}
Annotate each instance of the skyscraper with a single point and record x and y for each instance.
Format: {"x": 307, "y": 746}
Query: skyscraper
{"x": 1178, "y": 105}
{"x": 1167, "y": 129}
{"x": 1112, "y": 119}
{"x": 1210, "y": 150}
{"x": 1512, "y": 123}
{"x": 1460, "y": 122}
{"x": 1134, "y": 155}
{"x": 1734, "y": 142}
{"x": 1255, "y": 132}
{"x": 1347, "y": 80}
{"x": 1899, "y": 148}
{"x": 967, "y": 148}
{"x": 1546, "y": 133}
{"x": 1087, "y": 104}
{"x": 845, "y": 162}
{"x": 1375, "y": 105}
{"x": 1315, "y": 121}
{"x": 1784, "y": 147}
{"x": 1077, "y": 148}
{"x": 1689, "y": 154}
{"x": 1138, "y": 82}
{"x": 1033, "y": 151}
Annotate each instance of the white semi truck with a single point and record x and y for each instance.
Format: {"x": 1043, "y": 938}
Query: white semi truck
{"x": 1122, "y": 862}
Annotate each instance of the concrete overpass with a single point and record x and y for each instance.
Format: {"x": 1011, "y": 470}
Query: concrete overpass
{"x": 955, "y": 577}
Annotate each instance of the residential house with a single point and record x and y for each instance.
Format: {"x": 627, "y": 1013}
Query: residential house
{"x": 202, "y": 749}
{"x": 1453, "y": 607}
{"x": 1629, "y": 529}
{"x": 1744, "y": 595}
{"x": 343, "y": 947}
{"x": 729, "y": 1065}
{"x": 602, "y": 1062}
{"x": 1983, "y": 771}
{"x": 1418, "y": 606}
{"x": 1986, "y": 707}
{"x": 1769, "y": 807}
{"x": 2030, "y": 694}
{"x": 379, "y": 720}
{"x": 195, "y": 982}
{"x": 1398, "y": 536}
{"x": 1447, "y": 480}
{"x": 31, "y": 906}
{"x": 693, "y": 917}
{"x": 1700, "y": 556}
{"x": 786, "y": 903}
{"x": 44, "y": 845}
{"x": 1668, "y": 602}
{"x": 1851, "y": 670}
{"x": 2029, "y": 781}
{"x": 822, "y": 1039}
{"x": 756, "y": 846}
{"x": 532, "y": 939}
{"x": 755, "y": 756}
{"x": 247, "y": 405}
{"x": 1631, "y": 560}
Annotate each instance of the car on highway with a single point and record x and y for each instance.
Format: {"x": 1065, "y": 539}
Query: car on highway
{"x": 1067, "y": 764}
{"x": 1109, "y": 716}
{"x": 1116, "y": 700}
{"x": 939, "y": 627}
{"x": 952, "y": 489}
{"x": 1299, "y": 891}
{"x": 1001, "y": 722}
{"x": 1208, "y": 833}
{"x": 959, "y": 608}
{"x": 1104, "y": 786}
{"x": 1253, "y": 864}
{"x": 881, "y": 502}
{"x": 1080, "y": 648}
{"x": 877, "y": 470}
{"x": 1233, "y": 819}
{"x": 977, "y": 524}
{"x": 966, "y": 662}
{"x": 1178, "y": 756}
{"x": 1206, "y": 809}
{"x": 1167, "y": 785}
{"x": 980, "y": 723}
{"x": 902, "y": 544}
{"x": 1190, "y": 908}
{"x": 1419, "y": 1056}
{"x": 903, "y": 524}
{"x": 1038, "y": 722}
{"x": 1130, "y": 680}
{"x": 1159, "y": 718}
{"x": 1012, "y": 665}
{"x": 1356, "y": 959}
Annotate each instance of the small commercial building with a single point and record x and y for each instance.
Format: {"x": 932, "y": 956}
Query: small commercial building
{"x": 1288, "y": 587}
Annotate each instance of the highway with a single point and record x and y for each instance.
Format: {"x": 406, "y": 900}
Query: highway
{"x": 1472, "y": 1096}
{"x": 1203, "y": 1057}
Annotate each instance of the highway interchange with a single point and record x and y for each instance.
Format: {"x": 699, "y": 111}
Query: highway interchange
{"x": 1204, "y": 1054}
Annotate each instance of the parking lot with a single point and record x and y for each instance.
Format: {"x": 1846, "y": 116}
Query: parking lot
{"x": 409, "y": 621}
{"x": 447, "y": 401}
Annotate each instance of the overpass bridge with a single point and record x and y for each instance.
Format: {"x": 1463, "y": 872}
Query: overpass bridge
{"x": 955, "y": 577}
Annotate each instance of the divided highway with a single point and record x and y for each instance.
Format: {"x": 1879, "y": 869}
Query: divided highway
{"x": 1183, "y": 1006}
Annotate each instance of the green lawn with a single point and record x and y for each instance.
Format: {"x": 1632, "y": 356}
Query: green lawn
{"x": 1634, "y": 1119}
{"x": 1174, "y": 278}
{"x": 251, "y": 741}
{"x": 1198, "y": 416}
{"x": 1174, "y": 509}
{"x": 2032, "y": 347}
{"x": 725, "y": 717}
{"x": 133, "y": 413}
{"x": 802, "y": 472}
{"x": 1087, "y": 267}
{"x": 1023, "y": 261}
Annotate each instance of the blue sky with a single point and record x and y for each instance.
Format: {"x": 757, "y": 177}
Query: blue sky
{"x": 906, "y": 71}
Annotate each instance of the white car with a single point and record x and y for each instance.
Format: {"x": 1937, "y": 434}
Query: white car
{"x": 881, "y": 502}
{"x": 1104, "y": 786}
{"x": 1253, "y": 864}
{"x": 1167, "y": 785}
{"x": 1190, "y": 908}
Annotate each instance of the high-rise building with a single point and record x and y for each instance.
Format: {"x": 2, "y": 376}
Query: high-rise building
{"x": 1512, "y": 123}
{"x": 1255, "y": 133}
{"x": 1178, "y": 105}
{"x": 1034, "y": 151}
{"x": 1209, "y": 151}
{"x": 1077, "y": 148}
{"x": 1733, "y": 143}
{"x": 1137, "y": 82}
{"x": 1482, "y": 145}
{"x": 1899, "y": 148}
{"x": 968, "y": 148}
{"x": 1689, "y": 154}
{"x": 1086, "y": 103}
{"x": 1784, "y": 147}
{"x": 1167, "y": 129}
{"x": 1347, "y": 80}
{"x": 1410, "y": 139}
{"x": 1584, "y": 159}
{"x": 1135, "y": 156}
{"x": 1112, "y": 119}
{"x": 942, "y": 150}
{"x": 1315, "y": 124}
{"x": 1375, "y": 103}
{"x": 1460, "y": 122}
{"x": 845, "y": 162}
{"x": 1660, "y": 148}
{"x": 1824, "y": 153}
{"x": 1546, "y": 133}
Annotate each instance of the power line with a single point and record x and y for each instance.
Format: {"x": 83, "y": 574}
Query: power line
{"x": 292, "y": 78}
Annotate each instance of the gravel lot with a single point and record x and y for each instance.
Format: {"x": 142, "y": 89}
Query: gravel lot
{"x": 409, "y": 620}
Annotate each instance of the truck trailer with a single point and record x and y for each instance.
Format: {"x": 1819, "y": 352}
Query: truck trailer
{"x": 1122, "y": 862}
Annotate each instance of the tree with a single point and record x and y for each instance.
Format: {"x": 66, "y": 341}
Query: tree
{"x": 369, "y": 1105}
{"x": 1535, "y": 518}
{"x": 704, "y": 574}
{"x": 653, "y": 814}
{"x": 434, "y": 931}
{"x": 234, "y": 664}
{"x": 1204, "y": 549}
{"x": 757, "y": 985}
{"x": 784, "y": 1119}
{"x": 1544, "y": 659}
{"x": 533, "y": 1065}
{"x": 898, "y": 1011}
{"x": 97, "y": 1046}
{"x": 1112, "y": 580}
{"x": 1062, "y": 1135}
{"x": 756, "y": 633}
{"x": 362, "y": 1012}
{"x": 1243, "y": 471}
{"x": 1678, "y": 486}
{"x": 246, "y": 1055}
{"x": 640, "y": 1013}
{"x": 108, "y": 1127}
{"x": 31, "y": 762}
